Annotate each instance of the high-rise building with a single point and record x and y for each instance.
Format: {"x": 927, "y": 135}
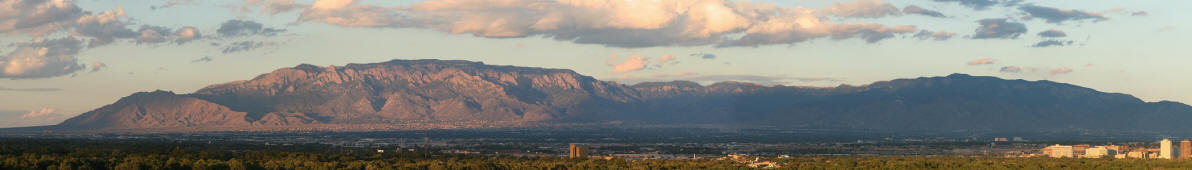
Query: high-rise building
{"x": 1165, "y": 149}
{"x": 1185, "y": 149}
{"x": 578, "y": 151}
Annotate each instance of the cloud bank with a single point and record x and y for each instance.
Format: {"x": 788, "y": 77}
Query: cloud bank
{"x": 628, "y": 24}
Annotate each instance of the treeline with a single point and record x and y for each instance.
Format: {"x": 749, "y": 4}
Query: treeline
{"x": 140, "y": 154}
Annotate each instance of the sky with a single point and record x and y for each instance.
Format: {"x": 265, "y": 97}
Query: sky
{"x": 60, "y": 58}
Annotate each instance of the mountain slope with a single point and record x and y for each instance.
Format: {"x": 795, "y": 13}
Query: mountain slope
{"x": 405, "y": 91}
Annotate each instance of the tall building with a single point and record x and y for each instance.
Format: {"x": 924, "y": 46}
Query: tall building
{"x": 1165, "y": 149}
{"x": 1185, "y": 149}
{"x": 578, "y": 151}
{"x": 1058, "y": 151}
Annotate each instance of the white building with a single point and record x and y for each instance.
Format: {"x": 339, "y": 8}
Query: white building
{"x": 1059, "y": 151}
{"x": 1099, "y": 151}
{"x": 1166, "y": 151}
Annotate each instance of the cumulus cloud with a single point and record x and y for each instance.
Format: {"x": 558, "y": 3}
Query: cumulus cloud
{"x": 1061, "y": 70}
{"x": 706, "y": 56}
{"x": 37, "y": 18}
{"x": 999, "y": 28}
{"x": 153, "y": 34}
{"x": 1056, "y": 15}
{"x": 634, "y": 63}
{"x": 187, "y": 34}
{"x": 42, "y": 59}
{"x": 95, "y": 67}
{"x": 238, "y": 28}
{"x": 983, "y": 61}
{"x": 863, "y": 9}
{"x": 936, "y": 35}
{"x": 983, "y": 4}
{"x": 1011, "y": 69}
{"x": 1053, "y": 33}
{"x": 626, "y": 24}
{"x": 242, "y": 46}
{"x": 913, "y": 9}
{"x": 38, "y": 113}
{"x": 173, "y": 3}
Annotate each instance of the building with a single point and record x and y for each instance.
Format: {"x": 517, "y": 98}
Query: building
{"x": 1098, "y": 152}
{"x": 1137, "y": 154}
{"x": 1078, "y": 149}
{"x": 578, "y": 151}
{"x": 1000, "y": 140}
{"x": 1185, "y": 149}
{"x": 1166, "y": 151}
{"x": 1058, "y": 151}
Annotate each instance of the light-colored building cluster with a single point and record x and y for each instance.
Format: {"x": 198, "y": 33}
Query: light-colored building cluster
{"x": 1166, "y": 150}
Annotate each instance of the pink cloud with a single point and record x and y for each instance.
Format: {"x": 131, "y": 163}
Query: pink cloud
{"x": 634, "y": 63}
{"x": 982, "y": 61}
{"x": 1061, "y": 70}
{"x": 38, "y": 113}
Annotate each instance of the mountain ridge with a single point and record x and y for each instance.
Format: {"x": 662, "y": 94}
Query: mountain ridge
{"x": 398, "y": 92}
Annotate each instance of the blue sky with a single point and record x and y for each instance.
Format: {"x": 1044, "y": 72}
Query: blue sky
{"x": 92, "y": 52}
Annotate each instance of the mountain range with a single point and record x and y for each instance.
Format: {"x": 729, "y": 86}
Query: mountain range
{"x": 419, "y": 94}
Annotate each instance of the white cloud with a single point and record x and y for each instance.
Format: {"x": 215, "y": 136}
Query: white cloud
{"x": 863, "y": 8}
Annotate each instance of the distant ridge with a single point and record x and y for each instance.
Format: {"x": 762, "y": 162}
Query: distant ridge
{"x": 402, "y": 94}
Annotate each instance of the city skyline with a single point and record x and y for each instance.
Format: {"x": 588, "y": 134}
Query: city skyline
{"x": 65, "y": 57}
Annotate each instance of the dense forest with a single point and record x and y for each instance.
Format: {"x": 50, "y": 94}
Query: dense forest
{"x": 160, "y": 154}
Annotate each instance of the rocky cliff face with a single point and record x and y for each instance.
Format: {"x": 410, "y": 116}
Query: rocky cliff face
{"x": 403, "y": 91}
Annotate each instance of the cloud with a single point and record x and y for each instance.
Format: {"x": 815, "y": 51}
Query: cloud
{"x": 627, "y": 24}
{"x": 1049, "y": 43}
{"x": 1011, "y": 69}
{"x": 38, "y": 113}
{"x": 187, "y": 34}
{"x": 153, "y": 34}
{"x": 1053, "y": 33}
{"x": 1167, "y": 28}
{"x": 863, "y": 9}
{"x": 999, "y": 28}
{"x": 664, "y": 60}
{"x": 983, "y": 4}
{"x": 983, "y": 61}
{"x": 1055, "y": 15}
{"x": 242, "y": 46}
{"x": 42, "y": 59}
{"x": 937, "y": 35}
{"x": 912, "y": 9}
{"x": 274, "y": 7}
{"x": 238, "y": 28}
{"x": 706, "y": 56}
{"x": 759, "y": 79}
{"x": 202, "y": 60}
{"x": 37, "y": 18}
{"x": 95, "y": 67}
{"x": 1061, "y": 70}
{"x": 634, "y": 63}
{"x": 173, "y": 3}
{"x": 30, "y": 89}
{"x": 1139, "y": 13}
